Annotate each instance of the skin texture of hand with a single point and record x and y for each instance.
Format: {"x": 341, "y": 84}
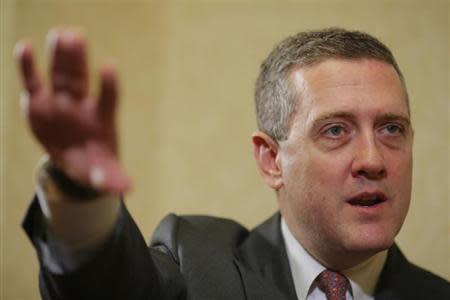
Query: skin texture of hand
{"x": 77, "y": 130}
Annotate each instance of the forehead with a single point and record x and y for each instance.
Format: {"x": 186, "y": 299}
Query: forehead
{"x": 353, "y": 86}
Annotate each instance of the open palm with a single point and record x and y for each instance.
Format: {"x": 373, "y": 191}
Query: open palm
{"x": 76, "y": 129}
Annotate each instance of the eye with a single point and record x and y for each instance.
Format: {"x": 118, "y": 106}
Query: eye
{"x": 334, "y": 134}
{"x": 393, "y": 129}
{"x": 334, "y": 131}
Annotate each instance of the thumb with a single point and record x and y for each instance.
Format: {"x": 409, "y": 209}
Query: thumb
{"x": 105, "y": 173}
{"x": 109, "y": 177}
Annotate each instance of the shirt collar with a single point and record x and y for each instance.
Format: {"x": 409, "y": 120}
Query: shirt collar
{"x": 305, "y": 268}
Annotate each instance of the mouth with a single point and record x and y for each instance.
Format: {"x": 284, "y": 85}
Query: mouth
{"x": 367, "y": 199}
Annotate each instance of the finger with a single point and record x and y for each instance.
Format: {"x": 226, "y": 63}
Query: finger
{"x": 30, "y": 77}
{"x": 108, "y": 95}
{"x": 68, "y": 71}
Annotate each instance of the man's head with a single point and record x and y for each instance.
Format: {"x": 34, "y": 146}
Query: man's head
{"x": 336, "y": 142}
{"x": 276, "y": 99}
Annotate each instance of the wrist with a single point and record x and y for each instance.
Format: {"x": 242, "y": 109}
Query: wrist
{"x": 65, "y": 185}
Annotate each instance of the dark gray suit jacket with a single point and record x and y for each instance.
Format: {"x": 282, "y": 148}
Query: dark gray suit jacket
{"x": 198, "y": 257}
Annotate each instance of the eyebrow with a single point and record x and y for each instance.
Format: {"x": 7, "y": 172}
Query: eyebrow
{"x": 335, "y": 115}
{"x": 395, "y": 117}
{"x": 350, "y": 116}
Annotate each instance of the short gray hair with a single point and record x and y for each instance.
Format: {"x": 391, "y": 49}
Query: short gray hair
{"x": 275, "y": 98}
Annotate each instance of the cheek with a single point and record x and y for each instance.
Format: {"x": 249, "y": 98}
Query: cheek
{"x": 401, "y": 174}
{"x": 313, "y": 186}
{"x": 399, "y": 167}
{"x": 327, "y": 173}
{"x": 313, "y": 183}
{"x": 313, "y": 176}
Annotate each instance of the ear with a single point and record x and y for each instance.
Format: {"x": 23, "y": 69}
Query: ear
{"x": 265, "y": 151}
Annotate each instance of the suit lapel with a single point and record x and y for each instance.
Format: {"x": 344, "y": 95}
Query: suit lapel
{"x": 393, "y": 282}
{"x": 263, "y": 263}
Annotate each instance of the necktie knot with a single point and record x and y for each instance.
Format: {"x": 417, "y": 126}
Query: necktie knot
{"x": 334, "y": 284}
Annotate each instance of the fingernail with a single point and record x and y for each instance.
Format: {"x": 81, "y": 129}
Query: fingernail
{"x": 18, "y": 49}
{"x": 69, "y": 36}
{"x": 97, "y": 177}
{"x": 51, "y": 39}
{"x": 25, "y": 102}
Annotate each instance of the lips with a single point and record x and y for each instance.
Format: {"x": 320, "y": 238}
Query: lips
{"x": 367, "y": 199}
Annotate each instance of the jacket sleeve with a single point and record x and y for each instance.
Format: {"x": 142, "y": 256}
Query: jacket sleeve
{"x": 124, "y": 268}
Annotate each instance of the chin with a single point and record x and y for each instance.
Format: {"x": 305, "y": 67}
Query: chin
{"x": 370, "y": 243}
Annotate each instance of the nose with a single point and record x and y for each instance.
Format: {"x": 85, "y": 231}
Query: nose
{"x": 368, "y": 160}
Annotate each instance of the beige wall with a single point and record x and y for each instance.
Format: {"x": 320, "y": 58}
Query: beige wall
{"x": 186, "y": 115}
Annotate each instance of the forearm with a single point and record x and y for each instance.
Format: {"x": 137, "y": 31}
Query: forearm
{"x": 88, "y": 249}
{"x": 79, "y": 223}
{"x": 122, "y": 268}
{"x": 75, "y": 228}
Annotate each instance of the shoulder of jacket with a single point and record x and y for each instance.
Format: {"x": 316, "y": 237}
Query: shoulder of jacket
{"x": 188, "y": 231}
{"x": 434, "y": 286}
{"x": 410, "y": 280}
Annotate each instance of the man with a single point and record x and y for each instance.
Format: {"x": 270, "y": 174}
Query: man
{"x": 335, "y": 143}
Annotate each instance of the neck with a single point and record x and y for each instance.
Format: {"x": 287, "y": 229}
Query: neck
{"x": 332, "y": 256}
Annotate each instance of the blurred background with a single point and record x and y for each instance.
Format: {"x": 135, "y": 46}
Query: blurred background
{"x": 187, "y": 71}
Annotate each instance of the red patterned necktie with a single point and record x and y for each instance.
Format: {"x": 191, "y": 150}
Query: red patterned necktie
{"x": 334, "y": 284}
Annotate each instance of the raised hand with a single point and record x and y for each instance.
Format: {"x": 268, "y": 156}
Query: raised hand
{"x": 77, "y": 130}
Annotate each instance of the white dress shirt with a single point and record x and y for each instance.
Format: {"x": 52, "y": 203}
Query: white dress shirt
{"x": 305, "y": 269}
